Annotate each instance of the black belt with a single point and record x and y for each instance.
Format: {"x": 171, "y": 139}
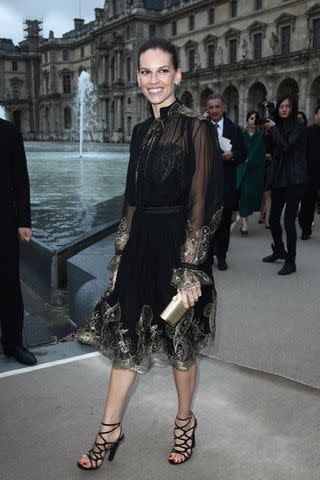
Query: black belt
{"x": 173, "y": 209}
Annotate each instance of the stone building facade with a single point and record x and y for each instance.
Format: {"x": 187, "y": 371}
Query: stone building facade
{"x": 245, "y": 49}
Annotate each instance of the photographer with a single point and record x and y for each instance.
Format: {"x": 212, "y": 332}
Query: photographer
{"x": 287, "y": 179}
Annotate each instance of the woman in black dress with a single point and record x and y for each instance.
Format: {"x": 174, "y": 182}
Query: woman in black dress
{"x": 172, "y": 205}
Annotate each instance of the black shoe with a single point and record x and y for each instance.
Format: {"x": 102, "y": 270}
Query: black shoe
{"x": 305, "y": 236}
{"x": 287, "y": 268}
{"x": 222, "y": 264}
{"x": 277, "y": 254}
{"x": 21, "y": 354}
{"x": 101, "y": 448}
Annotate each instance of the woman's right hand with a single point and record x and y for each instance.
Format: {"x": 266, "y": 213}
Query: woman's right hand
{"x": 190, "y": 294}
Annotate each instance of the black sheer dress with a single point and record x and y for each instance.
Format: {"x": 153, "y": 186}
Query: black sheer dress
{"x": 173, "y": 202}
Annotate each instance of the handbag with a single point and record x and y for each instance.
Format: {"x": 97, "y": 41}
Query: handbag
{"x": 173, "y": 313}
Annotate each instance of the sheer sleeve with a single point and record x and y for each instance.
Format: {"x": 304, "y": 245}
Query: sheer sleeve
{"x": 128, "y": 209}
{"x": 204, "y": 206}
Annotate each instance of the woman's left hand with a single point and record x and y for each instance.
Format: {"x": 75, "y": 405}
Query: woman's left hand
{"x": 190, "y": 294}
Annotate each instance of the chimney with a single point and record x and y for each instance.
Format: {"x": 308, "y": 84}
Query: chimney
{"x": 99, "y": 12}
{"x": 78, "y": 23}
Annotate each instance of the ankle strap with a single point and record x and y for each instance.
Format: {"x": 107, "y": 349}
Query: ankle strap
{"x": 185, "y": 419}
{"x": 111, "y": 424}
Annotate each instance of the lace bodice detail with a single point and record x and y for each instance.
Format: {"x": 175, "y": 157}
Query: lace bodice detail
{"x": 175, "y": 161}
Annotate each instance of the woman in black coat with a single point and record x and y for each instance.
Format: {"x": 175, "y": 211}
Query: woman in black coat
{"x": 287, "y": 179}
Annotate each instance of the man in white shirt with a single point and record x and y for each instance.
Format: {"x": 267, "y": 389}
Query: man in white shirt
{"x": 235, "y": 152}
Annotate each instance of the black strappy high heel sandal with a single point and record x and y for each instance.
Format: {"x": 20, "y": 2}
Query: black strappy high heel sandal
{"x": 102, "y": 448}
{"x": 183, "y": 442}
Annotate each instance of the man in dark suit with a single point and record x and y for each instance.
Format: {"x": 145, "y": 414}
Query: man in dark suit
{"x": 15, "y": 221}
{"x": 309, "y": 200}
{"x": 234, "y": 153}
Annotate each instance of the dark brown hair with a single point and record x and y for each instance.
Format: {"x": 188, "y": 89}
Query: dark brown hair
{"x": 163, "y": 45}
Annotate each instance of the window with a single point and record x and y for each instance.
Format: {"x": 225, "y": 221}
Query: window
{"x": 233, "y": 50}
{"x": 174, "y": 28}
{"x": 67, "y": 118}
{"x": 15, "y": 85}
{"x": 191, "y": 59}
{"x": 46, "y": 57}
{"x": 129, "y": 125}
{"x": 257, "y": 46}
{"x": 210, "y": 56}
{"x": 258, "y": 4}
{"x": 128, "y": 68}
{"x": 82, "y": 52}
{"x": 152, "y": 31}
{"x": 65, "y": 55}
{"x": 128, "y": 32}
{"x": 285, "y": 40}
{"x": 66, "y": 83}
{"x": 113, "y": 69}
{"x": 234, "y": 8}
{"x": 211, "y": 16}
{"x": 46, "y": 83}
{"x": 316, "y": 33}
{"x": 191, "y": 22}
{"x": 14, "y": 66}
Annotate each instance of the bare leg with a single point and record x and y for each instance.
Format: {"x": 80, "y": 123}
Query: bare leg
{"x": 120, "y": 383}
{"x": 267, "y": 196}
{"x": 185, "y": 384}
{"x": 243, "y": 224}
{"x": 262, "y": 210}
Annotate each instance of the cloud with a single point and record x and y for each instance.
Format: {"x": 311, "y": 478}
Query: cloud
{"x": 57, "y": 22}
{"x": 57, "y": 16}
{"x": 11, "y": 24}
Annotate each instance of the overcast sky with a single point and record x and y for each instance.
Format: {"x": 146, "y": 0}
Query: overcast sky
{"x": 57, "y": 15}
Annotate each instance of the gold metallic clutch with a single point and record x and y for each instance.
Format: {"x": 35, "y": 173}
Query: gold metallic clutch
{"x": 173, "y": 313}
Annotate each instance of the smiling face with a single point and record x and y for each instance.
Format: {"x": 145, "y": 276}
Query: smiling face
{"x": 157, "y": 78}
{"x": 285, "y": 109}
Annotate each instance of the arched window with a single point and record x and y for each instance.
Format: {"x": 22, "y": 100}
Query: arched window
{"x": 67, "y": 118}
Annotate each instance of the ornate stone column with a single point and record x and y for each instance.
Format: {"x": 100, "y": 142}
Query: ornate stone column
{"x": 304, "y": 92}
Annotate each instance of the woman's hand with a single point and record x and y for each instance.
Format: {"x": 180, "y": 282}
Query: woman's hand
{"x": 190, "y": 294}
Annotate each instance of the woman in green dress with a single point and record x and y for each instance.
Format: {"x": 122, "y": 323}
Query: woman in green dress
{"x": 250, "y": 174}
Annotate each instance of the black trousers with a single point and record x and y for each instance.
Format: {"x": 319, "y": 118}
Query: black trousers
{"x": 221, "y": 238}
{"x": 288, "y": 197}
{"x": 307, "y": 208}
{"x": 11, "y": 311}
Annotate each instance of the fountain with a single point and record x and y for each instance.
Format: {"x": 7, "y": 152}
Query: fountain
{"x": 85, "y": 103}
{"x": 3, "y": 112}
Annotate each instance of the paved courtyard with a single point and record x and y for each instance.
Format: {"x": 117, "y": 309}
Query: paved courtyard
{"x": 252, "y": 425}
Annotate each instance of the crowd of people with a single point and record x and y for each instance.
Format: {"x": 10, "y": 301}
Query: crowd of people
{"x": 187, "y": 173}
{"x": 270, "y": 166}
